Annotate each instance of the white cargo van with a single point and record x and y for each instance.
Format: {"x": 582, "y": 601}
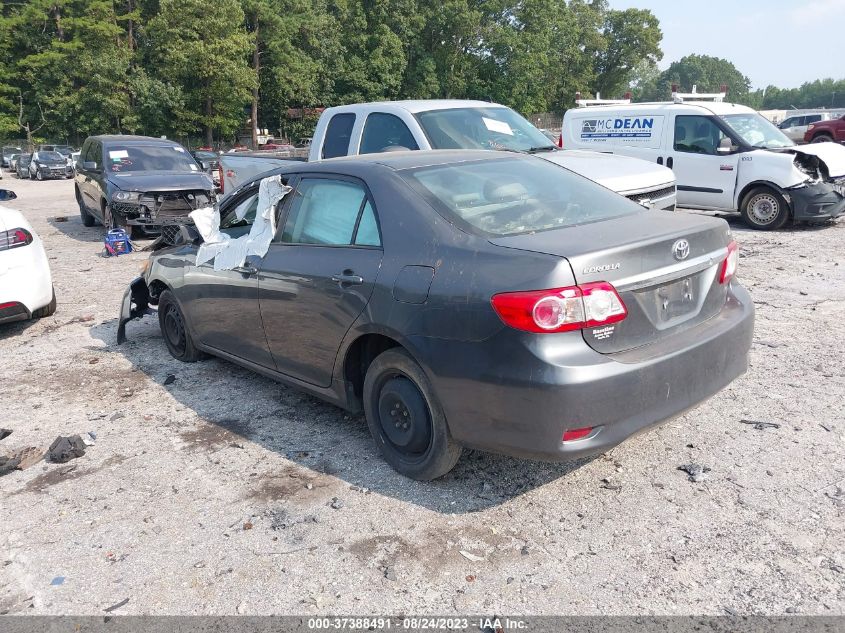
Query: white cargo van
{"x": 725, "y": 157}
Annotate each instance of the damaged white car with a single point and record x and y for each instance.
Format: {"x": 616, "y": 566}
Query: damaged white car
{"x": 725, "y": 156}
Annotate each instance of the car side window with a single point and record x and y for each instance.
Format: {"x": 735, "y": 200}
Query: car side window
{"x": 338, "y": 135}
{"x": 367, "y": 233}
{"x": 813, "y": 118}
{"x": 239, "y": 217}
{"x": 327, "y": 212}
{"x": 383, "y": 131}
{"x": 697, "y": 134}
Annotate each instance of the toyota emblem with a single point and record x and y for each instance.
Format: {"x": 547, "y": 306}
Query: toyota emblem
{"x": 680, "y": 249}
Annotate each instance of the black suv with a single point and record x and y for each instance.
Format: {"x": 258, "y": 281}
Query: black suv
{"x": 138, "y": 183}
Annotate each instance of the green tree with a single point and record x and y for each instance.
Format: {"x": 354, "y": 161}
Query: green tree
{"x": 706, "y": 73}
{"x": 202, "y": 47}
{"x": 632, "y": 38}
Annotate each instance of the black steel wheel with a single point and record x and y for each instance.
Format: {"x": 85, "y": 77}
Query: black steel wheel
{"x": 174, "y": 328}
{"x": 406, "y": 419}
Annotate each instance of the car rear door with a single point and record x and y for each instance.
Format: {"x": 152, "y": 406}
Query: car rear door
{"x": 706, "y": 178}
{"x": 318, "y": 274}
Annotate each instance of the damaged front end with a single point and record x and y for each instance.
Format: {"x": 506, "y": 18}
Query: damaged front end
{"x": 158, "y": 208}
{"x": 821, "y": 196}
{"x": 136, "y": 303}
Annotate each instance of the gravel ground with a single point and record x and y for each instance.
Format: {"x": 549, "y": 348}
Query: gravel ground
{"x": 223, "y": 492}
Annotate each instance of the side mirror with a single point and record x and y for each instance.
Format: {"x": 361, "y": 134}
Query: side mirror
{"x": 726, "y": 146}
{"x": 90, "y": 165}
{"x": 6, "y": 194}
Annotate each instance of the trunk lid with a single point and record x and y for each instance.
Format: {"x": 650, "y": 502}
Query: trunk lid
{"x": 622, "y": 174}
{"x": 642, "y": 256}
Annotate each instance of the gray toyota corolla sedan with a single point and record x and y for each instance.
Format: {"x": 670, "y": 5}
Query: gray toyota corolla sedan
{"x": 466, "y": 299}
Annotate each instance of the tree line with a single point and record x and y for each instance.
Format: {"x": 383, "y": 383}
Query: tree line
{"x": 185, "y": 68}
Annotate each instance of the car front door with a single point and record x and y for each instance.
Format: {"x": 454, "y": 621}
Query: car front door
{"x": 222, "y": 306}
{"x": 318, "y": 274}
{"x": 706, "y": 174}
{"x": 89, "y": 179}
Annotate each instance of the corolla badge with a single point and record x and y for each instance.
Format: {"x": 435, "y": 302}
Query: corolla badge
{"x": 601, "y": 268}
{"x": 680, "y": 250}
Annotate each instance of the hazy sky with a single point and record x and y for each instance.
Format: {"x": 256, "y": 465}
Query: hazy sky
{"x": 778, "y": 42}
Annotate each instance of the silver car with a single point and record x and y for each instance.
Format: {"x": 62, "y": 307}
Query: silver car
{"x": 795, "y": 126}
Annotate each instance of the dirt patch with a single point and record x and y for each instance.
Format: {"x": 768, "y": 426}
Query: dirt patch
{"x": 62, "y": 474}
{"x": 210, "y": 437}
{"x": 292, "y": 483}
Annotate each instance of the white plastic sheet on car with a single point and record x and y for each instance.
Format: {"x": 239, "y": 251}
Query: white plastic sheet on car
{"x": 229, "y": 253}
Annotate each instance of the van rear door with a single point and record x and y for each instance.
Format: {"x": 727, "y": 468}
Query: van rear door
{"x": 706, "y": 177}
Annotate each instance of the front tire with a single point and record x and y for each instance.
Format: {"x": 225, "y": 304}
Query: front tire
{"x": 406, "y": 419}
{"x": 764, "y": 209}
{"x": 39, "y": 175}
{"x": 822, "y": 138}
{"x": 174, "y": 328}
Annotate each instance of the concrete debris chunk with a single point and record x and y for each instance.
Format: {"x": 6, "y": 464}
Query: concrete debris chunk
{"x": 472, "y": 557}
{"x": 64, "y": 449}
{"x": 759, "y": 425}
{"x": 696, "y": 472}
{"x": 8, "y": 464}
{"x": 28, "y": 456}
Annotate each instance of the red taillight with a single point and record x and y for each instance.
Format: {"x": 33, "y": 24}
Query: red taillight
{"x": 560, "y": 309}
{"x": 560, "y": 139}
{"x": 576, "y": 434}
{"x": 14, "y": 238}
{"x": 220, "y": 175}
{"x": 729, "y": 265}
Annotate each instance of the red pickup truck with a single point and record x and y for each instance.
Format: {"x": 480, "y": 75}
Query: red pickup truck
{"x": 831, "y": 130}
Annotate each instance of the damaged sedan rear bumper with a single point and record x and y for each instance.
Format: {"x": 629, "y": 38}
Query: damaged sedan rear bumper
{"x": 135, "y": 304}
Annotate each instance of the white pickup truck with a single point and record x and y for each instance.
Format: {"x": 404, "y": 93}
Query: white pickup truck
{"x": 367, "y": 128}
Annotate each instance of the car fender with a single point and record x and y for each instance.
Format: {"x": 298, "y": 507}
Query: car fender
{"x": 762, "y": 167}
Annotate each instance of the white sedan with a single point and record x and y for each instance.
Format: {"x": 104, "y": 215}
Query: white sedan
{"x": 26, "y": 287}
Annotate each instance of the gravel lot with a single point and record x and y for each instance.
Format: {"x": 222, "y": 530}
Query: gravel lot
{"x": 224, "y": 492}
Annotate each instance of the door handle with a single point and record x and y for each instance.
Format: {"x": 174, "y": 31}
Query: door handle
{"x": 348, "y": 278}
{"x": 246, "y": 269}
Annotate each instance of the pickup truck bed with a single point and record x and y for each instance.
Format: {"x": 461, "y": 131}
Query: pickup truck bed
{"x": 236, "y": 168}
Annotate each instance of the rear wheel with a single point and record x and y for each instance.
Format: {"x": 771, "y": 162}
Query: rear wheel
{"x": 764, "y": 209}
{"x": 822, "y": 138}
{"x": 47, "y": 310}
{"x": 87, "y": 218}
{"x": 406, "y": 419}
{"x": 174, "y": 328}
